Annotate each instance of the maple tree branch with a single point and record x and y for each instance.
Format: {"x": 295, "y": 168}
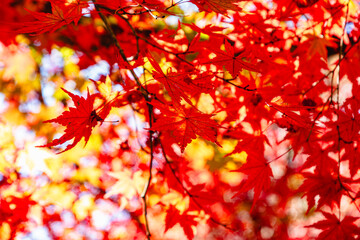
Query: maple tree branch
{"x": 121, "y": 11}
{"x": 150, "y": 108}
{"x": 146, "y": 189}
{"x": 280, "y": 156}
{"x": 136, "y": 56}
{"x": 144, "y": 92}
{"x": 237, "y": 86}
{"x": 191, "y": 196}
{"x": 338, "y": 97}
{"x": 341, "y": 57}
{"x": 144, "y": 194}
{"x": 317, "y": 117}
{"x": 333, "y": 70}
{"x": 174, "y": 4}
{"x": 317, "y": 82}
{"x": 177, "y": 55}
{"x": 281, "y": 111}
{"x": 137, "y": 130}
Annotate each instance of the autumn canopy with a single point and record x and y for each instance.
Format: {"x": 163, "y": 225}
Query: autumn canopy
{"x": 179, "y": 119}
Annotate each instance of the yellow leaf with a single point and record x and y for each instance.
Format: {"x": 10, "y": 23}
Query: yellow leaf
{"x": 19, "y": 64}
{"x": 83, "y": 206}
{"x": 106, "y": 88}
{"x": 4, "y": 164}
{"x": 8, "y": 148}
{"x": 128, "y": 184}
{"x": 201, "y": 151}
{"x": 232, "y": 178}
{"x": 53, "y": 166}
{"x": 90, "y": 174}
{"x": 206, "y": 103}
{"x": 5, "y": 231}
{"x": 32, "y": 159}
{"x": 14, "y": 116}
{"x": 55, "y": 194}
{"x": 176, "y": 199}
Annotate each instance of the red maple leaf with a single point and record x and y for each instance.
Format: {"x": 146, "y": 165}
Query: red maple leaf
{"x": 153, "y": 5}
{"x": 49, "y": 22}
{"x": 328, "y": 186}
{"x": 334, "y": 229}
{"x": 79, "y": 120}
{"x": 219, "y": 6}
{"x": 305, "y": 3}
{"x": 320, "y": 159}
{"x": 252, "y": 145}
{"x": 185, "y": 220}
{"x": 14, "y": 209}
{"x": 211, "y": 30}
{"x": 232, "y": 61}
{"x": 259, "y": 176}
{"x": 184, "y": 124}
{"x": 178, "y": 84}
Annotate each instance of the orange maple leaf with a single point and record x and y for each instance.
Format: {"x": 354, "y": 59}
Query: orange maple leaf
{"x": 317, "y": 45}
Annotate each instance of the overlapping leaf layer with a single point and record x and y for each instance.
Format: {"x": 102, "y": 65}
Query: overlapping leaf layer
{"x": 218, "y": 119}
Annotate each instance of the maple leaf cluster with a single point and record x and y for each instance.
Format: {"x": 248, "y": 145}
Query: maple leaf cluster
{"x": 197, "y": 119}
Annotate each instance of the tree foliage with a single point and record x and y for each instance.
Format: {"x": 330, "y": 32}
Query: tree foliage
{"x": 179, "y": 119}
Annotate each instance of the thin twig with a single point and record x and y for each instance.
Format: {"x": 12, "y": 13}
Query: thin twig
{"x": 122, "y": 54}
{"x": 146, "y": 95}
{"x": 334, "y": 69}
{"x": 280, "y": 156}
{"x": 338, "y": 97}
{"x": 146, "y": 189}
{"x": 120, "y": 11}
{"x": 136, "y": 56}
{"x": 237, "y": 86}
